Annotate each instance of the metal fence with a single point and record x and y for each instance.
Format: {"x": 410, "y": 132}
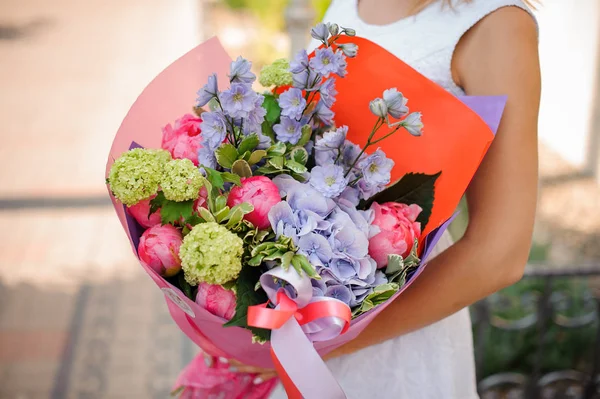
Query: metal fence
{"x": 542, "y": 338}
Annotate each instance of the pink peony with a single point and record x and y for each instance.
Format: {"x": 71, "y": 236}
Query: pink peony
{"x": 259, "y": 191}
{"x": 201, "y": 201}
{"x": 216, "y": 299}
{"x": 183, "y": 140}
{"x": 140, "y": 213}
{"x": 159, "y": 249}
{"x": 398, "y": 230}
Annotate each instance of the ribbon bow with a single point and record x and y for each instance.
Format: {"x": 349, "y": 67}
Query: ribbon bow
{"x": 298, "y": 320}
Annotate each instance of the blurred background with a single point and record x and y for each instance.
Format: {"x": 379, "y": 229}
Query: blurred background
{"x": 78, "y": 317}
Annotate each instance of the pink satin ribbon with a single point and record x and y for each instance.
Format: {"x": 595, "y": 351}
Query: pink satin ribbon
{"x": 295, "y": 324}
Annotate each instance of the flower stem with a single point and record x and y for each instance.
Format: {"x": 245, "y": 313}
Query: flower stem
{"x": 378, "y": 124}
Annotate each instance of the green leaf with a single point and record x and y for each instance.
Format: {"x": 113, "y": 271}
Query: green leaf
{"x": 172, "y": 212}
{"x": 277, "y": 162}
{"x": 222, "y": 214}
{"x": 255, "y": 260}
{"x": 267, "y": 170}
{"x": 306, "y": 135}
{"x": 249, "y": 143}
{"x": 246, "y": 297}
{"x": 272, "y": 107}
{"x": 220, "y": 203}
{"x": 295, "y": 166}
{"x": 246, "y": 156}
{"x": 257, "y": 156}
{"x": 193, "y": 220}
{"x": 297, "y": 263}
{"x": 214, "y": 177}
{"x": 231, "y": 178}
{"x": 235, "y": 216}
{"x": 226, "y": 155}
{"x": 206, "y": 215}
{"x": 412, "y": 188}
{"x": 241, "y": 168}
{"x": 246, "y": 207}
{"x": 277, "y": 149}
{"x": 300, "y": 155}
{"x": 267, "y": 130}
{"x": 380, "y": 294}
{"x": 157, "y": 202}
{"x": 276, "y": 254}
{"x": 286, "y": 260}
{"x": 395, "y": 264}
{"x": 186, "y": 288}
{"x": 308, "y": 267}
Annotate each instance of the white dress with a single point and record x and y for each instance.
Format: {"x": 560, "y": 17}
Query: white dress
{"x": 437, "y": 361}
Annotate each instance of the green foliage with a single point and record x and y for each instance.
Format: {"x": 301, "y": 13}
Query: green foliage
{"x": 226, "y": 155}
{"x": 380, "y": 294}
{"x": 171, "y": 212}
{"x": 412, "y": 188}
{"x": 248, "y": 296}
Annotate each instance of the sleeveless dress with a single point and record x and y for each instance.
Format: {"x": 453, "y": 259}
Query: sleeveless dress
{"x": 436, "y": 362}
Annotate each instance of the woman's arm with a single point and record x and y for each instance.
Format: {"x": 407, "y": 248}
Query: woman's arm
{"x": 498, "y": 56}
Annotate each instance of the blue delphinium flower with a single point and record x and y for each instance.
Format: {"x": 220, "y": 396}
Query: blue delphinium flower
{"x": 300, "y": 62}
{"x": 377, "y": 168}
{"x": 240, "y": 71}
{"x": 329, "y": 181}
{"x": 325, "y": 61}
{"x": 396, "y": 103}
{"x": 328, "y": 92}
{"x": 239, "y": 100}
{"x": 378, "y": 107}
{"x": 333, "y": 139}
{"x": 350, "y": 152}
{"x": 206, "y": 157}
{"x": 349, "y": 49}
{"x": 324, "y": 114}
{"x": 292, "y": 103}
{"x": 257, "y": 115}
{"x": 213, "y": 129}
{"x": 341, "y": 64}
{"x": 367, "y": 190}
{"x": 307, "y": 79}
{"x": 320, "y": 32}
{"x": 413, "y": 124}
{"x": 288, "y": 131}
{"x": 208, "y": 91}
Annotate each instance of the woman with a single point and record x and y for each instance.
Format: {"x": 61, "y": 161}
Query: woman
{"x": 421, "y": 345}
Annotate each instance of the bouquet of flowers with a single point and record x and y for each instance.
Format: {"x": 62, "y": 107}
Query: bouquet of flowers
{"x": 270, "y": 223}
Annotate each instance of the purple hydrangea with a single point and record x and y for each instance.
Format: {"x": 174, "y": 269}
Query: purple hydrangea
{"x": 292, "y": 103}
{"x": 213, "y": 129}
{"x": 328, "y": 92}
{"x": 377, "y": 168}
{"x": 240, "y": 71}
{"x": 325, "y": 61}
{"x": 208, "y": 91}
{"x": 329, "y": 181}
{"x": 339, "y": 292}
{"x": 288, "y": 131}
{"x": 316, "y": 248}
{"x": 239, "y": 100}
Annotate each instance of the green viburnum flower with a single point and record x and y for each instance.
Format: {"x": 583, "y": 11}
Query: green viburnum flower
{"x": 181, "y": 180}
{"x": 276, "y": 74}
{"x": 211, "y": 254}
{"x": 136, "y": 174}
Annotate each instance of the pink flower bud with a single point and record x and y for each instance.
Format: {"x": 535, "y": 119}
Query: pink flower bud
{"x": 140, "y": 213}
{"x": 183, "y": 140}
{"x": 159, "y": 249}
{"x": 261, "y": 193}
{"x": 398, "y": 230}
{"x": 216, "y": 299}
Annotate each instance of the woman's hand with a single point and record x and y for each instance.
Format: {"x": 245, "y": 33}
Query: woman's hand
{"x": 261, "y": 374}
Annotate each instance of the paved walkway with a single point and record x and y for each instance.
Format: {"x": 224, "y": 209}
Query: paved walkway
{"x": 78, "y": 319}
